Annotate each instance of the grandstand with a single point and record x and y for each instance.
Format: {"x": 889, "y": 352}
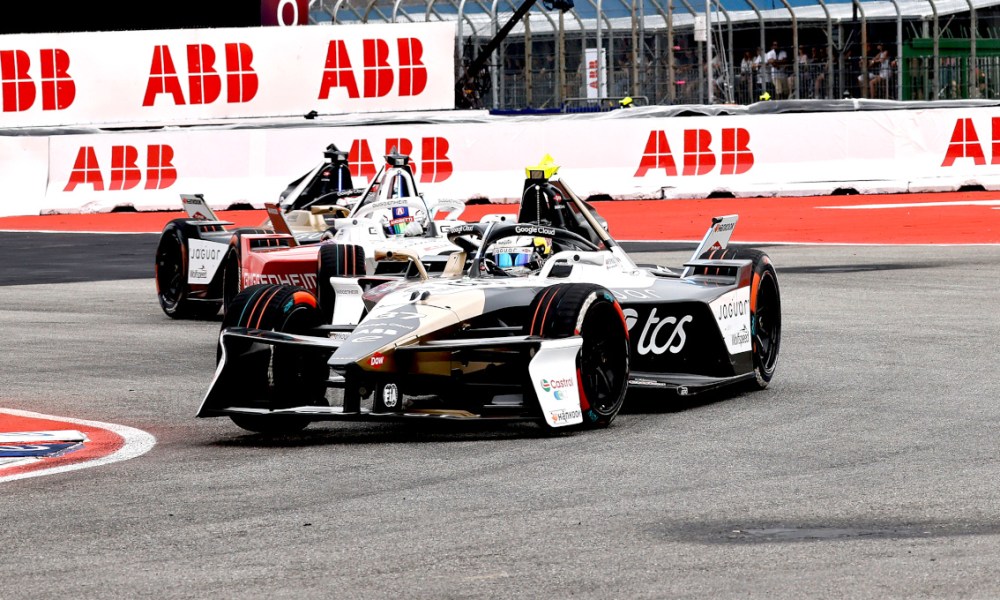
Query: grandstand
{"x": 655, "y": 51}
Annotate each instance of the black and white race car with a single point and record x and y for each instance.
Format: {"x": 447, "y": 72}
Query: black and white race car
{"x": 528, "y": 321}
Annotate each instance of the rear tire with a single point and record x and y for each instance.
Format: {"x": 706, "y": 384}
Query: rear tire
{"x": 591, "y": 311}
{"x": 172, "y": 289}
{"x": 765, "y": 311}
{"x": 336, "y": 260}
{"x": 287, "y": 376}
{"x": 765, "y": 318}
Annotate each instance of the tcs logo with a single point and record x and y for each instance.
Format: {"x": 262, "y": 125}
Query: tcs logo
{"x": 26, "y": 79}
{"x": 698, "y": 157}
{"x": 121, "y": 170}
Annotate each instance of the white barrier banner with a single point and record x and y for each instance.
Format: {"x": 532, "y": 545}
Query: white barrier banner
{"x": 24, "y": 169}
{"x": 756, "y": 155}
{"x": 189, "y": 75}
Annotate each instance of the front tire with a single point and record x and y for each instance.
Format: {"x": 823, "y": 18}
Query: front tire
{"x": 284, "y": 376}
{"x": 590, "y": 311}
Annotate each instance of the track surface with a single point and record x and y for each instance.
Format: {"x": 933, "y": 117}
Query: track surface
{"x": 867, "y": 470}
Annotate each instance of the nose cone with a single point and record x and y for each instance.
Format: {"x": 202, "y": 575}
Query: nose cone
{"x": 373, "y": 341}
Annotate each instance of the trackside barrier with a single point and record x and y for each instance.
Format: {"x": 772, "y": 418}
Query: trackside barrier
{"x": 645, "y": 152}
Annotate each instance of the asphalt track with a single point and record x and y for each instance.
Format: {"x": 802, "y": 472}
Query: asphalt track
{"x": 867, "y": 470}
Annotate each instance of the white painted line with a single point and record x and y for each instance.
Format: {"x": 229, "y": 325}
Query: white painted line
{"x": 137, "y": 443}
{"x": 68, "y": 435}
{"x": 994, "y": 203}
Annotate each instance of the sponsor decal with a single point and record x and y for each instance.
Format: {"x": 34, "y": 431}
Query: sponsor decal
{"x": 965, "y": 144}
{"x": 213, "y": 252}
{"x": 535, "y": 230}
{"x": 432, "y": 165}
{"x": 204, "y": 259}
{"x": 741, "y": 337}
{"x": 565, "y": 415}
{"x": 556, "y": 384}
{"x": 374, "y": 334}
{"x": 698, "y": 156}
{"x": 732, "y": 314}
{"x": 377, "y": 360}
{"x": 306, "y": 280}
{"x": 725, "y": 227}
{"x": 209, "y": 70}
{"x": 628, "y": 294}
{"x": 121, "y": 170}
{"x": 733, "y": 308}
{"x": 385, "y": 66}
{"x": 49, "y": 83}
{"x": 646, "y": 382}
{"x": 393, "y": 314}
{"x": 659, "y": 335}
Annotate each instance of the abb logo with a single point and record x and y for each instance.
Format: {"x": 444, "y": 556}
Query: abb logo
{"x": 965, "y": 144}
{"x": 123, "y": 169}
{"x": 434, "y": 164}
{"x": 378, "y": 74}
{"x": 20, "y": 88}
{"x": 735, "y": 156}
{"x": 204, "y": 82}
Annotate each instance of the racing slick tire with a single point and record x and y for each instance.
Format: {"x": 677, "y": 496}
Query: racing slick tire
{"x": 591, "y": 311}
{"x": 336, "y": 260}
{"x": 172, "y": 288}
{"x": 765, "y": 311}
{"x": 288, "y": 376}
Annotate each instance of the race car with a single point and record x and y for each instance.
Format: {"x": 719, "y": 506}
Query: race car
{"x": 389, "y": 214}
{"x": 558, "y": 342}
{"x": 189, "y": 280}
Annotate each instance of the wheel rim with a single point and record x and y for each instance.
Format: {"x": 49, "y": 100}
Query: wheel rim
{"x": 170, "y": 270}
{"x": 604, "y": 358}
{"x": 767, "y": 322}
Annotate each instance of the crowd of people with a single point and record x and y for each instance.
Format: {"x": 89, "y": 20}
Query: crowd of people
{"x": 770, "y": 75}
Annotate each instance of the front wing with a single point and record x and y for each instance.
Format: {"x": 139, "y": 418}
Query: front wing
{"x": 544, "y": 386}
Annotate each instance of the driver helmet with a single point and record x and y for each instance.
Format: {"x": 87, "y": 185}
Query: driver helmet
{"x": 520, "y": 255}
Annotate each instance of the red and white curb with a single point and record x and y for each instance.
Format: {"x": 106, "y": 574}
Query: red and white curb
{"x": 33, "y": 444}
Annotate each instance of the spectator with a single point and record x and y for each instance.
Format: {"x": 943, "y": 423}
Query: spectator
{"x": 777, "y": 60}
{"x": 819, "y": 66}
{"x": 796, "y": 88}
{"x": 879, "y": 71}
{"x": 747, "y": 76}
{"x": 762, "y": 74}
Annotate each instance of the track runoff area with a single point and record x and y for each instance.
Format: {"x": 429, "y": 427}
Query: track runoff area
{"x": 946, "y": 218}
{"x": 33, "y": 444}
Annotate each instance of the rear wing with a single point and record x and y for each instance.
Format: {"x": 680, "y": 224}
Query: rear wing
{"x": 196, "y": 208}
{"x": 278, "y": 222}
{"x": 717, "y": 238}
